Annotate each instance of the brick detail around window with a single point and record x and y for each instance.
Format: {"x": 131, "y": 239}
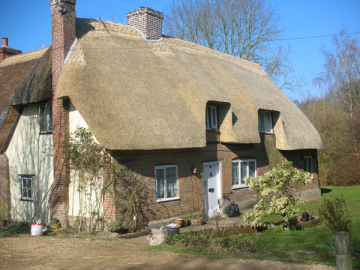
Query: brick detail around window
{"x": 5, "y": 199}
{"x": 148, "y": 21}
{"x": 63, "y": 36}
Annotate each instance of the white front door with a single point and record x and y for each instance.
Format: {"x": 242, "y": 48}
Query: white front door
{"x": 212, "y": 187}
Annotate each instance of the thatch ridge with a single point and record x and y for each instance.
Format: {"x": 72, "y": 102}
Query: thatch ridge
{"x": 36, "y": 85}
{"x": 135, "y": 94}
{"x": 23, "y": 57}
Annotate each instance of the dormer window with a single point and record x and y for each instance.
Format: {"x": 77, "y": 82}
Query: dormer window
{"x": 211, "y": 117}
{"x": 265, "y": 122}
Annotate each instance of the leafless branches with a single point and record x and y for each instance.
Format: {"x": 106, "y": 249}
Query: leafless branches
{"x": 246, "y": 29}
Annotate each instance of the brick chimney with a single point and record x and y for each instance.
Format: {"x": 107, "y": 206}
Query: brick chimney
{"x": 5, "y": 51}
{"x": 148, "y": 21}
{"x": 63, "y": 35}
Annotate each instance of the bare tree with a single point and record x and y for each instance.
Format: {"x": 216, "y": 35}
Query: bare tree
{"x": 342, "y": 70}
{"x": 246, "y": 29}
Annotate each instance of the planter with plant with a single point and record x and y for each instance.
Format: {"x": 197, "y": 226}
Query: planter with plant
{"x": 334, "y": 213}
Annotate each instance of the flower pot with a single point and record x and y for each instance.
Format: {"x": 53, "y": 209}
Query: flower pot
{"x": 179, "y": 221}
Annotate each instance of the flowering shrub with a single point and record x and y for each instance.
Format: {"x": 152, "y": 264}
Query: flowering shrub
{"x": 280, "y": 183}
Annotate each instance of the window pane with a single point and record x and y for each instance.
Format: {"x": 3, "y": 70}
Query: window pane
{"x": 171, "y": 182}
{"x": 261, "y": 122}
{"x": 213, "y": 116}
{"x": 160, "y": 184}
{"x": 208, "y": 117}
{"x": 235, "y": 173}
{"x": 252, "y": 168}
{"x": 243, "y": 171}
{"x": 268, "y": 122}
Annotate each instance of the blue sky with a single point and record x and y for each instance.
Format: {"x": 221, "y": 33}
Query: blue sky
{"x": 27, "y": 25}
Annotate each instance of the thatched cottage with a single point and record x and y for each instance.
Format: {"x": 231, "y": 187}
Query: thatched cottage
{"x": 191, "y": 121}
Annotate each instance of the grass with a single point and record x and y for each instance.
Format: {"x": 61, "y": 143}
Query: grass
{"x": 313, "y": 245}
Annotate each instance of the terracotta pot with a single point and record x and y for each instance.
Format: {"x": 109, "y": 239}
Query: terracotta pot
{"x": 179, "y": 221}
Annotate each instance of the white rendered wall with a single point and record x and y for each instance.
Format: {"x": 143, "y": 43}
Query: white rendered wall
{"x": 78, "y": 201}
{"x": 30, "y": 153}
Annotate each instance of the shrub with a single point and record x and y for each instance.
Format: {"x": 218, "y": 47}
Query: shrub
{"x": 280, "y": 183}
{"x": 334, "y": 213}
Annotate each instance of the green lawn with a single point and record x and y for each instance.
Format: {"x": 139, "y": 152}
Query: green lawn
{"x": 313, "y": 245}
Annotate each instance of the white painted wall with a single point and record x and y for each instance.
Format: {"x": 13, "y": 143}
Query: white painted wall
{"x": 78, "y": 200}
{"x": 30, "y": 153}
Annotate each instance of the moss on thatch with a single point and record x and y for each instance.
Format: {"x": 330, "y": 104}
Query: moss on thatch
{"x": 36, "y": 85}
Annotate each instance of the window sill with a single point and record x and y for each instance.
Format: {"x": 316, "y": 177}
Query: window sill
{"x": 168, "y": 199}
{"x": 263, "y": 132}
{"x": 44, "y": 133}
{"x": 26, "y": 200}
{"x": 239, "y": 187}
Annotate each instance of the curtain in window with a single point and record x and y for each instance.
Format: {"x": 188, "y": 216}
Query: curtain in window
{"x": 235, "y": 173}
{"x": 267, "y": 116}
{"x": 160, "y": 184}
{"x": 171, "y": 182}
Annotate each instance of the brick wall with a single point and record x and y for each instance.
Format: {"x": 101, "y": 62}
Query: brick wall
{"x": 191, "y": 186}
{"x": 4, "y": 188}
{"x": 148, "y": 21}
{"x": 63, "y": 36}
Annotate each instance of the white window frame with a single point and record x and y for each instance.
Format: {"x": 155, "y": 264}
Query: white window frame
{"x": 239, "y": 162}
{"x": 263, "y": 115}
{"x": 45, "y": 115}
{"x": 29, "y": 182}
{"x": 177, "y": 197}
{"x": 306, "y": 169}
{"x": 211, "y": 117}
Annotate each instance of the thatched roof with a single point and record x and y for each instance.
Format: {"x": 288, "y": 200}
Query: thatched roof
{"x": 12, "y": 72}
{"x": 135, "y": 94}
{"x": 36, "y": 85}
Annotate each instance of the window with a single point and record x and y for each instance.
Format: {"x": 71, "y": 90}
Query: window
{"x": 242, "y": 169}
{"x": 308, "y": 165}
{"x": 2, "y": 116}
{"x": 166, "y": 182}
{"x": 211, "y": 117}
{"x": 26, "y": 187}
{"x": 265, "y": 122}
{"x": 45, "y": 115}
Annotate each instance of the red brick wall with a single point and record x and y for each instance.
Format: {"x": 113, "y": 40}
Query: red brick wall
{"x": 191, "y": 186}
{"x": 63, "y": 36}
{"x": 5, "y": 202}
{"x": 147, "y": 21}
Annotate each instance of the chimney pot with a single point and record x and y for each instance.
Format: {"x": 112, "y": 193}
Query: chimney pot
{"x": 5, "y": 42}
